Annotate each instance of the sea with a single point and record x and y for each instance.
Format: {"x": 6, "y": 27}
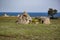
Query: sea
{"x": 32, "y": 14}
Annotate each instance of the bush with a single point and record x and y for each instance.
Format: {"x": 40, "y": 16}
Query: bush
{"x": 35, "y": 20}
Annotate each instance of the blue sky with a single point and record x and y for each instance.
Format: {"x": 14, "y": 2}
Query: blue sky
{"x": 28, "y": 5}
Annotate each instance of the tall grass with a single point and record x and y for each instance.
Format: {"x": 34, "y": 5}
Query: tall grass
{"x": 9, "y": 30}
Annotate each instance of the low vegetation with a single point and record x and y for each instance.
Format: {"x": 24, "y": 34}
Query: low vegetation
{"x": 9, "y": 30}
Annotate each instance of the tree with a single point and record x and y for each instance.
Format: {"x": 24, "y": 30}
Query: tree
{"x": 55, "y": 11}
{"x": 52, "y": 12}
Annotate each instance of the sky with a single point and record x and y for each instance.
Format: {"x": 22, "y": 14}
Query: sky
{"x": 28, "y": 5}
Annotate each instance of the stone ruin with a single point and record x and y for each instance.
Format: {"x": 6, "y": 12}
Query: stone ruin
{"x": 24, "y": 18}
{"x": 45, "y": 20}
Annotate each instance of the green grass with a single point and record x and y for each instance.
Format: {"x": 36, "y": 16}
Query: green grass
{"x": 9, "y": 30}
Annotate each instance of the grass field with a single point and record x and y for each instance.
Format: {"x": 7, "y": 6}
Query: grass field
{"x": 9, "y": 30}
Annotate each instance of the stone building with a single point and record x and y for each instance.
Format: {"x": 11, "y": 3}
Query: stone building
{"x": 45, "y": 20}
{"x": 24, "y": 18}
{"x": 5, "y": 15}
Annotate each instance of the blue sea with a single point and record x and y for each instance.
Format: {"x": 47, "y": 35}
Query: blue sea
{"x": 32, "y": 14}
